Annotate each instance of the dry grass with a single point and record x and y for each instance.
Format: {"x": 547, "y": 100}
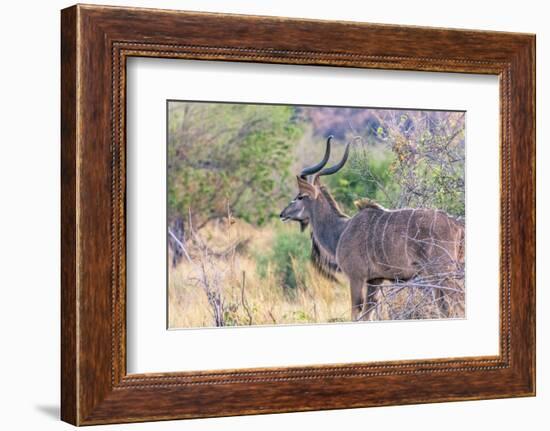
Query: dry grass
{"x": 227, "y": 263}
{"x": 261, "y": 300}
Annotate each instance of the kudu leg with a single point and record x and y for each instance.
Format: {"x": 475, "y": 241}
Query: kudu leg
{"x": 357, "y": 298}
{"x": 364, "y": 298}
{"x": 440, "y": 299}
{"x": 370, "y": 303}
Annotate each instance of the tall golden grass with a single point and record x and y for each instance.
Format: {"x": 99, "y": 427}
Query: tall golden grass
{"x": 250, "y": 298}
{"x": 224, "y": 258}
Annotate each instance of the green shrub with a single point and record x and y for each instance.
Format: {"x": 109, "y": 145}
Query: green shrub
{"x": 365, "y": 176}
{"x": 288, "y": 257}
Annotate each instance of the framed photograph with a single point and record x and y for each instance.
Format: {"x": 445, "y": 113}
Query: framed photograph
{"x": 264, "y": 214}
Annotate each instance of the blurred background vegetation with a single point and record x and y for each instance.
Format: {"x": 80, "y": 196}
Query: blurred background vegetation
{"x": 231, "y": 170}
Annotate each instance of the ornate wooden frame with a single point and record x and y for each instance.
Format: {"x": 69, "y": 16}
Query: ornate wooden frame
{"x": 95, "y": 43}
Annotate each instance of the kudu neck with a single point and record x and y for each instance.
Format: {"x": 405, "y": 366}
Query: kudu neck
{"x": 327, "y": 222}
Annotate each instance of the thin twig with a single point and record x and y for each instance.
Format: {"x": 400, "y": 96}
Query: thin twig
{"x": 180, "y": 244}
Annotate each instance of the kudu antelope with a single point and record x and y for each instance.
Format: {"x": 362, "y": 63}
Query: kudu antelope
{"x": 376, "y": 244}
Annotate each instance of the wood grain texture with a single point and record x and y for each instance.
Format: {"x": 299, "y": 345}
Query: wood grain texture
{"x": 96, "y": 41}
{"x": 69, "y": 367}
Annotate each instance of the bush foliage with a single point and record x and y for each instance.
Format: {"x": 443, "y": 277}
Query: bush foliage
{"x": 288, "y": 257}
{"x": 229, "y": 156}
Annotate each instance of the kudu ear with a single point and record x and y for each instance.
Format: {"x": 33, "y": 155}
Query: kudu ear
{"x": 307, "y": 188}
